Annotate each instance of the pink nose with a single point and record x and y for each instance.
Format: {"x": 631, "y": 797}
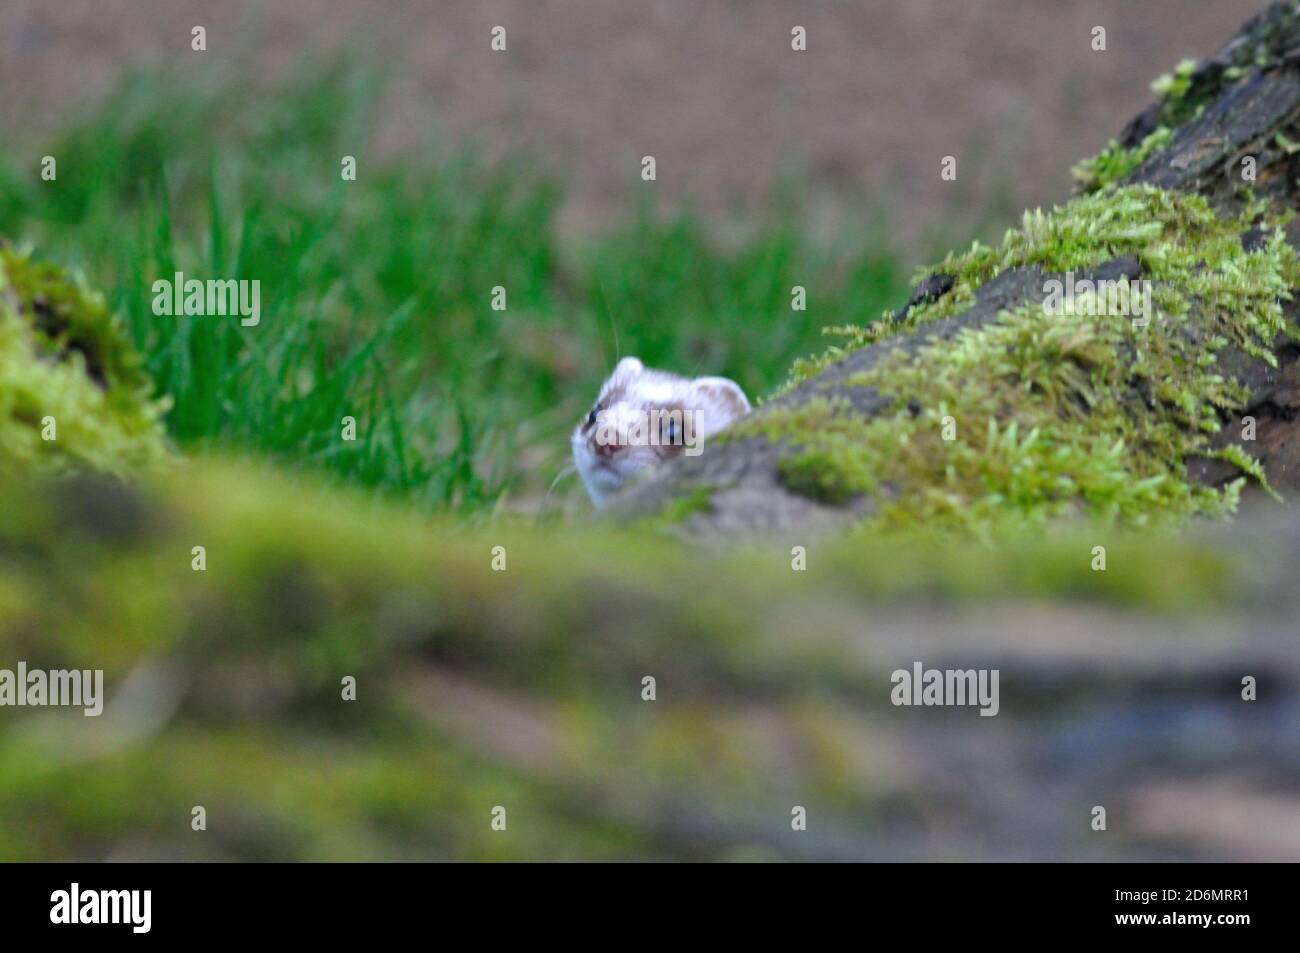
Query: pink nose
{"x": 602, "y": 449}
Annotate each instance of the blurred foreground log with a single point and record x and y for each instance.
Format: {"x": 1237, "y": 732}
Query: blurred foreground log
{"x": 524, "y": 688}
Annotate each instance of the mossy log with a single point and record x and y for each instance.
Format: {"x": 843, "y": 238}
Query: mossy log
{"x": 1222, "y": 137}
{"x": 73, "y": 394}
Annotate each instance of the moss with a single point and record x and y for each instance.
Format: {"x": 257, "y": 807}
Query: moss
{"x": 64, "y": 357}
{"x": 1115, "y": 163}
{"x": 699, "y": 500}
{"x": 1049, "y": 415}
{"x": 1177, "y": 101}
{"x": 475, "y": 687}
{"x": 824, "y": 473}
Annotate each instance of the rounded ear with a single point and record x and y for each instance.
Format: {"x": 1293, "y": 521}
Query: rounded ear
{"x": 723, "y": 393}
{"x": 628, "y": 366}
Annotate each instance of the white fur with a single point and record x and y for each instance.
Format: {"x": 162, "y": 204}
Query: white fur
{"x": 644, "y": 390}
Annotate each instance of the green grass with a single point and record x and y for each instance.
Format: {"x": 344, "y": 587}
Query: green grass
{"x": 376, "y": 293}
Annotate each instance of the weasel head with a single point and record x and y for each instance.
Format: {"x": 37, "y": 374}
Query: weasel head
{"x": 643, "y": 417}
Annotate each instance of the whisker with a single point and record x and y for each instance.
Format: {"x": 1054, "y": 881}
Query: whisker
{"x": 568, "y": 470}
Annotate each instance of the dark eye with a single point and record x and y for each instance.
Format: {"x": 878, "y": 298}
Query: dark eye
{"x": 672, "y": 432}
{"x": 591, "y": 417}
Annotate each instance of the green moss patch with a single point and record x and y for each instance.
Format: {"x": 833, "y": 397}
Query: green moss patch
{"x": 72, "y": 394}
{"x": 699, "y": 500}
{"x": 1115, "y": 162}
{"x": 1039, "y": 415}
{"x": 1180, "y": 100}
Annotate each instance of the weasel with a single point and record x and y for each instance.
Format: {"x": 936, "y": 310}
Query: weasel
{"x": 643, "y": 417}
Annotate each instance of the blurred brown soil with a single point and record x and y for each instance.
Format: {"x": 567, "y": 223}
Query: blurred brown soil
{"x": 712, "y": 89}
